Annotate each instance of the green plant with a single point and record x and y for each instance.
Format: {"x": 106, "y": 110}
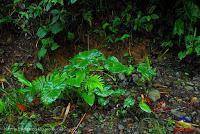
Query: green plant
{"x": 47, "y": 43}
{"x": 144, "y": 22}
{"x": 147, "y": 72}
{"x": 111, "y": 31}
{"x": 192, "y": 43}
{"x": 9, "y": 101}
{"x": 186, "y": 30}
{"x": 84, "y": 76}
{"x": 128, "y": 102}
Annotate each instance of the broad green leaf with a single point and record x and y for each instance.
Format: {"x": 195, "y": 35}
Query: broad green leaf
{"x": 83, "y": 59}
{"x": 122, "y": 38}
{"x": 21, "y": 78}
{"x": 113, "y": 65}
{"x": 189, "y": 50}
{"x": 49, "y": 42}
{"x": 105, "y": 25}
{"x": 192, "y": 10}
{"x": 51, "y": 92}
{"x": 46, "y": 42}
{"x": 182, "y": 55}
{"x": 128, "y": 102}
{"x": 70, "y": 36}
{"x": 106, "y": 91}
{"x": 54, "y": 46}
{"x": 42, "y": 52}
{"x": 40, "y": 66}
{"x": 154, "y": 16}
{"x": 116, "y": 22}
{"x": 89, "y": 98}
{"x": 146, "y": 70}
{"x": 42, "y": 31}
{"x": 79, "y": 78}
{"x": 102, "y": 101}
{"x": 56, "y": 27}
{"x": 178, "y": 27}
{"x": 144, "y": 107}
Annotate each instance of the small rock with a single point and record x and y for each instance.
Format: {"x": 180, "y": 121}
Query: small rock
{"x": 120, "y": 127}
{"x": 189, "y": 88}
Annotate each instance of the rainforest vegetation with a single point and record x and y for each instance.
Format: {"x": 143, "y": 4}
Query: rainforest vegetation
{"x": 100, "y": 66}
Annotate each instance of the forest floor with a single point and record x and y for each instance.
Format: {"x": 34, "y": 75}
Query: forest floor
{"x": 177, "y": 82}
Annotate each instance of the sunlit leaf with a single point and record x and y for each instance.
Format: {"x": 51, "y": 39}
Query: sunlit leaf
{"x": 39, "y": 66}
{"x": 144, "y": 107}
{"x": 182, "y": 55}
{"x": 128, "y": 102}
{"x": 89, "y": 98}
{"x": 77, "y": 80}
{"x": 21, "y": 78}
{"x": 94, "y": 82}
{"x": 113, "y": 65}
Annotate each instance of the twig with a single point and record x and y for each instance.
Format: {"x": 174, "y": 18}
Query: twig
{"x": 78, "y": 124}
{"x": 36, "y": 45}
{"x": 66, "y": 113}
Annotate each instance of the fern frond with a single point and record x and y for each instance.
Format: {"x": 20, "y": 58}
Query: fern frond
{"x": 50, "y": 87}
{"x": 94, "y": 82}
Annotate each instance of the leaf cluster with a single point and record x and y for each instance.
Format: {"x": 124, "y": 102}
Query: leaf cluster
{"x": 83, "y": 76}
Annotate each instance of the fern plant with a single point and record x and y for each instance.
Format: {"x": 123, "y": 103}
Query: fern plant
{"x": 83, "y": 76}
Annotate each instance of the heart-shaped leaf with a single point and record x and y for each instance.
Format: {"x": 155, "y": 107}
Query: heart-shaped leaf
{"x": 144, "y": 107}
{"x": 89, "y": 98}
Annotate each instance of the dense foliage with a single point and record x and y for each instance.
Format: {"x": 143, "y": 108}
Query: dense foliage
{"x": 48, "y": 18}
{"x": 90, "y": 77}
